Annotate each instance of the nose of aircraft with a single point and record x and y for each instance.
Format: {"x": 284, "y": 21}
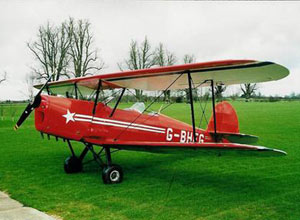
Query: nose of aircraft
{"x": 40, "y": 112}
{"x": 32, "y": 105}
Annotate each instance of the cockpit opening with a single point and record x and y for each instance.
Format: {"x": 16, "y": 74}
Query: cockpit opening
{"x": 138, "y": 107}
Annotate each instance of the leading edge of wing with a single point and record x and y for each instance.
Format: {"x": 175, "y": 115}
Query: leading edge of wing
{"x": 161, "y": 146}
{"x": 227, "y": 72}
{"x": 89, "y": 82}
{"x": 131, "y": 74}
{"x": 157, "y": 71}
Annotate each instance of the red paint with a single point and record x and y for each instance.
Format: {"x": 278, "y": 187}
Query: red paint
{"x": 73, "y": 119}
{"x": 226, "y": 117}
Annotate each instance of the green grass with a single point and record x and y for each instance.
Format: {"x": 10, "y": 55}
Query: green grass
{"x": 179, "y": 186}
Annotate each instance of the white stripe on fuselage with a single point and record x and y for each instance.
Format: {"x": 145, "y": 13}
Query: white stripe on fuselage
{"x": 126, "y": 126}
{"x": 115, "y": 123}
{"x": 119, "y": 122}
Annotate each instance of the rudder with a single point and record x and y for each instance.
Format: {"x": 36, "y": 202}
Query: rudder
{"x": 226, "y": 118}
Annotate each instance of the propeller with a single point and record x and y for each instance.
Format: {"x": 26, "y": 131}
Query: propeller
{"x": 32, "y": 105}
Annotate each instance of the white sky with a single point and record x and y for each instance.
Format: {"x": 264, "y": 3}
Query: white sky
{"x": 209, "y": 30}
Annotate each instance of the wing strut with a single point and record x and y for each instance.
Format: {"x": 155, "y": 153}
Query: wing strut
{"x": 75, "y": 88}
{"x": 214, "y": 108}
{"x": 97, "y": 95}
{"x": 118, "y": 101}
{"x": 192, "y": 104}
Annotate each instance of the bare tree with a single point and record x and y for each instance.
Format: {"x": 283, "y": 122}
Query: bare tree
{"x": 61, "y": 48}
{"x": 84, "y": 57}
{"x": 219, "y": 89}
{"x": 3, "y": 77}
{"x": 163, "y": 57}
{"x": 140, "y": 57}
{"x": 248, "y": 90}
{"x": 51, "y": 51}
{"x": 188, "y": 58}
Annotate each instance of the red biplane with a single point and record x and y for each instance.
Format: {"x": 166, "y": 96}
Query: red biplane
{"x": 65, "y": 113}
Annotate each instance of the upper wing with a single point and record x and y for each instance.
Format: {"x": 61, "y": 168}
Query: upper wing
{"x": 225, "y": 72}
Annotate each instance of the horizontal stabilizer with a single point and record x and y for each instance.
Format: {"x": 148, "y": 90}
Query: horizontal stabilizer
{"x": 239, "y": 138}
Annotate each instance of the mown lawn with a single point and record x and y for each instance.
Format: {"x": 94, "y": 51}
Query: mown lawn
{"x": 155, "y": 186}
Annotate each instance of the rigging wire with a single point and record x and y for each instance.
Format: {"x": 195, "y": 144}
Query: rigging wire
{"x": 147, "y": 107}
{"x": 202, "y": 109}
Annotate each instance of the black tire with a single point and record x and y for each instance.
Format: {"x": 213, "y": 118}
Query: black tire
{"x": 72, "y": 165}
{"x": 112, "y": 174}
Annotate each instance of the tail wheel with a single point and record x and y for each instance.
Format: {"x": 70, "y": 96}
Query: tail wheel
{"x": 112, "y": 174}
{"x": 73, "y": 165}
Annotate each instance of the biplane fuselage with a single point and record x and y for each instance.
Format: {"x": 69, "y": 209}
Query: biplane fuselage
{"x": 74, "y": 119}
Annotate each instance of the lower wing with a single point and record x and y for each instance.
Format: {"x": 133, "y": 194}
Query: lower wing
{"x": 162, "y": 147}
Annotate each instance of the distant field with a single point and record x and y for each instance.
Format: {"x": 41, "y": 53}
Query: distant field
{"x": 179, "y": 186}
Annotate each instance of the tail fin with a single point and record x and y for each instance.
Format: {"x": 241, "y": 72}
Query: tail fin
{"x": 228, "y": 125}
{"x": 226, "y": 118}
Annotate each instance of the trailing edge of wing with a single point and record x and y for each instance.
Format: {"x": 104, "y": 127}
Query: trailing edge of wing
{"x": 225, "y": 72}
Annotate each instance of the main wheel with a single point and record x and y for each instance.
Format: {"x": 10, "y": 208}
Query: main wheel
{"x": 73, "y": 165}
{"x": 112, "y": 174}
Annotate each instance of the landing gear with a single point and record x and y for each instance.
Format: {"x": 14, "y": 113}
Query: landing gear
{"x": 73, "y": 165}
{"x": 111, "y": 173}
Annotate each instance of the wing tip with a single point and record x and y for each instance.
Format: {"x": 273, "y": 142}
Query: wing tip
{"x": 281, "y": 152}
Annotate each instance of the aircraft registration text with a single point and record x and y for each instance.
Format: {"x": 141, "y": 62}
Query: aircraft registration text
{"x": 184, "y": 136}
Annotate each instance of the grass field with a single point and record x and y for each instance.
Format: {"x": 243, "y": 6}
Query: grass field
{"x": 155, "y": 186}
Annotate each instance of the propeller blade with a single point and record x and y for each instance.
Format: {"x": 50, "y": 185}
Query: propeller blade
{"x": 36, "y": 102}
{"x": 24, "y": 115}
{"x": 40, "y": 91}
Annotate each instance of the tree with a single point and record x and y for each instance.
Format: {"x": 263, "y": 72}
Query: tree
{"x": 140, "y": 57}
{"x": 3, "y": 77}
{"x": 64, "y": 49}
{"x": 188, "y": 58}
{"x": 84, "y": 58}
{"x": 248, "y": 90}
{"x": 51, "y": 51}
{"x": 164, "y": 58}
{"x": 219, "y": 89}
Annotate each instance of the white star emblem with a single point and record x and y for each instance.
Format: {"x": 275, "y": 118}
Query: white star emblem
{"x": 69, "y": 116}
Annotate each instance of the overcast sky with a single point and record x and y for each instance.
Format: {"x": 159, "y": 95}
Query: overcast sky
{"x": 209, "y": 30}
